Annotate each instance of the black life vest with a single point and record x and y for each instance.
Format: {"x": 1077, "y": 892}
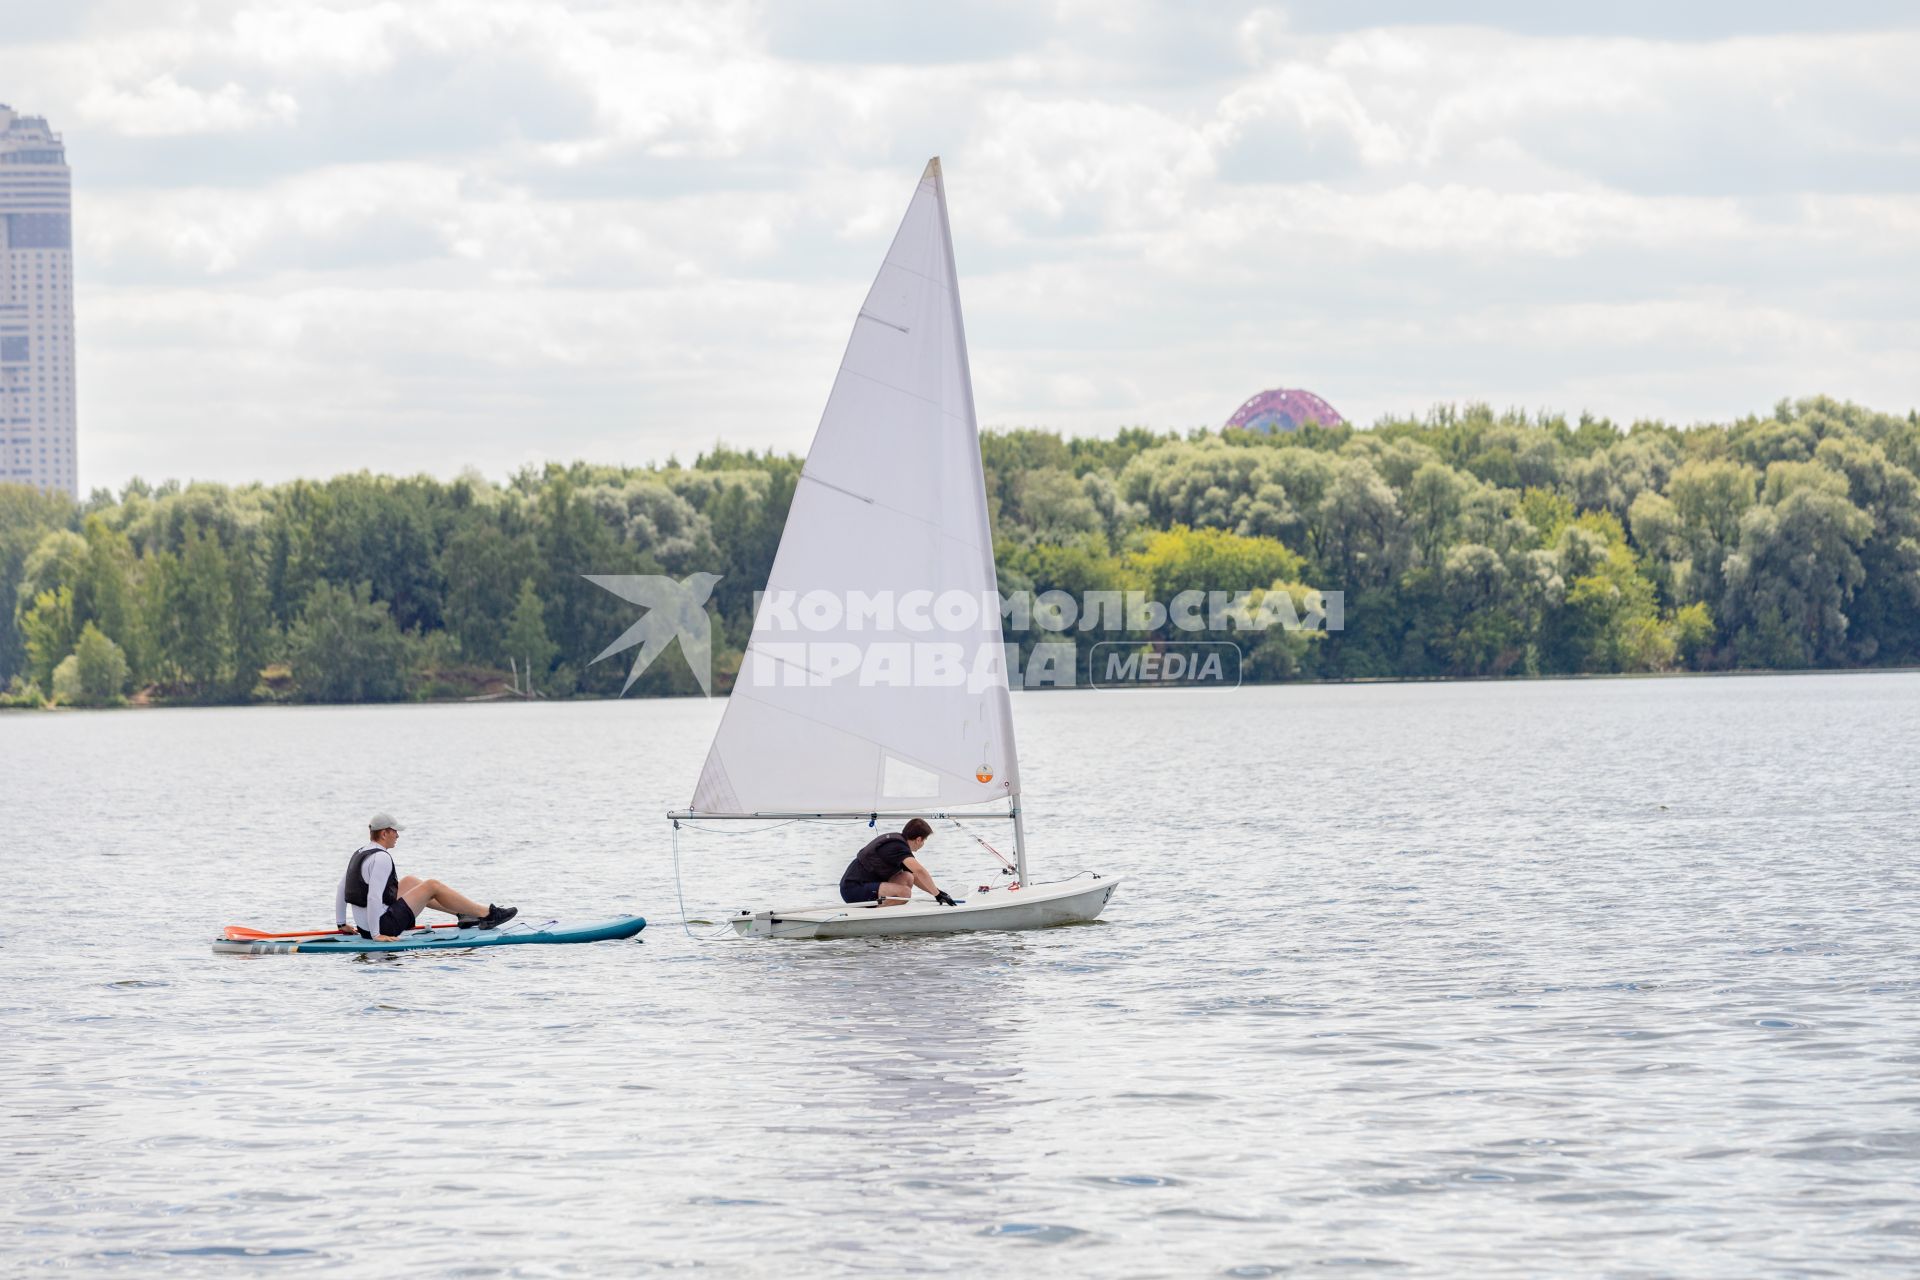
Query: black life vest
{"x": 357, "y": 882}
{"x": 880, "y": 859}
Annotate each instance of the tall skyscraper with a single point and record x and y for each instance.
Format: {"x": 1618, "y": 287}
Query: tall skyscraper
{"x": 38, "y": 427}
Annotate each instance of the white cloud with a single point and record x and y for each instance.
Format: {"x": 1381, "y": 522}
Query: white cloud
{"x": 430, "y": 233}
{"x": 162, "y": 107}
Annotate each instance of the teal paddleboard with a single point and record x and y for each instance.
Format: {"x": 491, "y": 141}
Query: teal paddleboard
{"x": 512, "y": 934}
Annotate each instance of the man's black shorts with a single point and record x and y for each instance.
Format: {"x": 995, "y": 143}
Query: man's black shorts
{"x": 859, "y": 891}
{"x": 397, "y": 919}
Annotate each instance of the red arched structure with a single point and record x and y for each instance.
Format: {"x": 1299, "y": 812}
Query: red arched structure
{"x": 1284, "y": 409}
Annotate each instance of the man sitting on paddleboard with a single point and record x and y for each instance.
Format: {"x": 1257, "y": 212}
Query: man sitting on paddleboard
{"x": 385, "y": 905}
{"x": 886, "y": 870}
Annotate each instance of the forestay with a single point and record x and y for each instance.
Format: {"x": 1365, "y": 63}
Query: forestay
{"x": 868, "y": 682}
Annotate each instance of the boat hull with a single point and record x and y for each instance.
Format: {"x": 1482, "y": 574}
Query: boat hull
{"x": 1040, "y": 906}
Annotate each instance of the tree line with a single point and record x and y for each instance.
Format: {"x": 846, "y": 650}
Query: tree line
{"x": 1466, "y": 543}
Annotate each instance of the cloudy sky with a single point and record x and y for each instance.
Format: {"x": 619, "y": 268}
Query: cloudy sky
{"x": 416, "y": 235}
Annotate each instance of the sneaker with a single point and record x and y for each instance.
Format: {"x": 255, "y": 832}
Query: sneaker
{"x": 497, "y": 916}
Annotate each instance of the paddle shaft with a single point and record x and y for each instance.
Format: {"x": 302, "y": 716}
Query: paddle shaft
{"x": 241, "y": 933}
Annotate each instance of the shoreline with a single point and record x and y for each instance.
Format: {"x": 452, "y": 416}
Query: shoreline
{"x": 151, "y": 705}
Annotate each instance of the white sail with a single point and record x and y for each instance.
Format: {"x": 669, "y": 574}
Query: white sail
{"x": 849, "y": 698}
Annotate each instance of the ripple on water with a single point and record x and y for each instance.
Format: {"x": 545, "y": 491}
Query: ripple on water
{"x": 1034, "y": 1232}
{"x": 1690, "y": 1048}
{"x": 251, "y": 1253}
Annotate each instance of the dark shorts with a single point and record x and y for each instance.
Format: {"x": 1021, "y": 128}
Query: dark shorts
{"x": 398, "y": 918}
{"x": 859, "y": 891}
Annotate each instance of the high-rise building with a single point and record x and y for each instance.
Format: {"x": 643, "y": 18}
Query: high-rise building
{"x": 38, "y": 427}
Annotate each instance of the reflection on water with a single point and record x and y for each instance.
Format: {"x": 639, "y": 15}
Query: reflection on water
{"x": 922, "y": 1030}
{"x": 1607, "y": 977}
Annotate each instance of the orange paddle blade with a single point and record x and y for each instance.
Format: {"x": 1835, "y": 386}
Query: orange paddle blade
{"x": 240, "y": 932}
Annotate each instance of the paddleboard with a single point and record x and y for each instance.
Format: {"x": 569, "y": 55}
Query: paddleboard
{"x": 513, "y": 933}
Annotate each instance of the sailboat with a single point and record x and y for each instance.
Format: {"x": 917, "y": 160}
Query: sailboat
{"x": 874, "y": 684}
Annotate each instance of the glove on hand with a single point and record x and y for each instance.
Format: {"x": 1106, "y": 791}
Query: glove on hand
{"x": 945, "y": 899}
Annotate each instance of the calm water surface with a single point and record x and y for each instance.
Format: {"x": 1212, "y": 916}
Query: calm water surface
{"x": 1589, "y": 978}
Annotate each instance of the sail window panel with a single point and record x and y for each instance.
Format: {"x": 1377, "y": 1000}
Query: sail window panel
{"x": 901, "y": 781}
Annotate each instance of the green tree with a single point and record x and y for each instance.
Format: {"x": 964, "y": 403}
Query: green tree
{"x": 1884, "y": 614}
{"x": 66, "y": 682}
{"x": 583, "y": 617}
{"x": 1788, "y": 586}
{"x": 1483, "y": 624}
{"x": 747, "y": 514}
{"x": 106, "y": 591}
{"x": 1434, "y": 497}
{"x": 1008, "y": 455}
{"x": 1711, "y": 498}
{"x": 345, "y": 648}
{"x": 26, "y": 516}
{"x": 1361, "y": 543}
{"x": 379, "y": 530}
{"x": 50, "y": 630}
{"x": 102, "y": 667}
{"x": 1609, "y": 618}
{"x": 484, "y": 569}
{"x": 526, "y": 636}
{"x": 58, "y": 559}
{"x": 1182, "y": 559}
{"x": 1050, "y": 505}
{"x": 251, "y": 635}
{"x": 1693, "y": 632}
{"x": 190, "y": 615}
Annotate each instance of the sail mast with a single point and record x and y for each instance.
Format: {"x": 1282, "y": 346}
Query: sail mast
{"x": 966, "y": 388}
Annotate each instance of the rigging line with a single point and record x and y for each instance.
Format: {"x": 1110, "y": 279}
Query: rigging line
{"x": 982, "y": 843}
{"x": 681, "y": 897}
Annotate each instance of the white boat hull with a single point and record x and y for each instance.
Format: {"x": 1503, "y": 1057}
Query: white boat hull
{"x": 1039, "y": 906}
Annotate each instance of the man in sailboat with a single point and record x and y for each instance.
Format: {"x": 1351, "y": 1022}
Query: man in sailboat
{"x": 386, "y": 904}
{"x": 887, "y": 869}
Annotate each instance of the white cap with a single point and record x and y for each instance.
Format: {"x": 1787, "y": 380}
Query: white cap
{"x": 381, "y": 821}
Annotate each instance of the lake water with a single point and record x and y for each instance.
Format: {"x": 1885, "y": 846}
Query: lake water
{"x": 1612, "y": 977}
